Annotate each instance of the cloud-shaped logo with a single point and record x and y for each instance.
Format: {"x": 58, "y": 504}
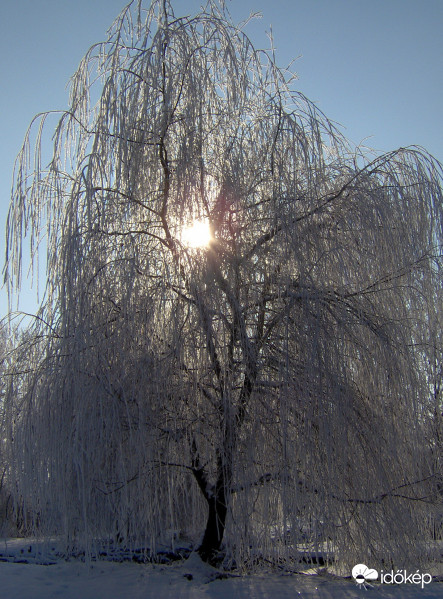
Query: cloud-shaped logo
{"x": 362, "y": 574}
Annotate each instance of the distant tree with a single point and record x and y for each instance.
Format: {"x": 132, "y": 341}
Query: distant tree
{"x": 269, "y": 380}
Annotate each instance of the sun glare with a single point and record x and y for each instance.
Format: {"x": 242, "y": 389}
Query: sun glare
{"x": 198, "y": 235}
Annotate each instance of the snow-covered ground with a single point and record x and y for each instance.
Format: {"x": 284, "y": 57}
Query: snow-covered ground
{"x": 189, "y": 579}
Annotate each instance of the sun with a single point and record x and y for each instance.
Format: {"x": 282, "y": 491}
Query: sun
{"x": 198, "y": 235}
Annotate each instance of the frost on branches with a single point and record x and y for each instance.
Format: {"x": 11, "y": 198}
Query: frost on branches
{"x": 272, "y": 390}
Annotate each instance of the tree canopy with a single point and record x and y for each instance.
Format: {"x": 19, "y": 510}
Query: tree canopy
{"x": 274, "y": 388}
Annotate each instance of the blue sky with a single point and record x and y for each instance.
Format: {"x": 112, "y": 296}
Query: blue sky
{"x": 374, "y": 66}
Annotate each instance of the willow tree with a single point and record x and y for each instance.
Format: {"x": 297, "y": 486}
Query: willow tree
{"x": 236, "y": 314}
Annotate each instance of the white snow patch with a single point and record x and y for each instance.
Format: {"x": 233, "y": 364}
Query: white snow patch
{"x": 191, "y": 579}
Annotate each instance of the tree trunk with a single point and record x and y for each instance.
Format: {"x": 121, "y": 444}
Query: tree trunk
{"x": 217, "y": 498}
{"x": 215, "y": 527}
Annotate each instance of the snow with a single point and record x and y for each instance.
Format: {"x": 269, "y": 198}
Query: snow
{"x": 191, "y": 578}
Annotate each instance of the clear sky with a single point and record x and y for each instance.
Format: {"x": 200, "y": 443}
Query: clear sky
{"x": 374, "y": 66}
